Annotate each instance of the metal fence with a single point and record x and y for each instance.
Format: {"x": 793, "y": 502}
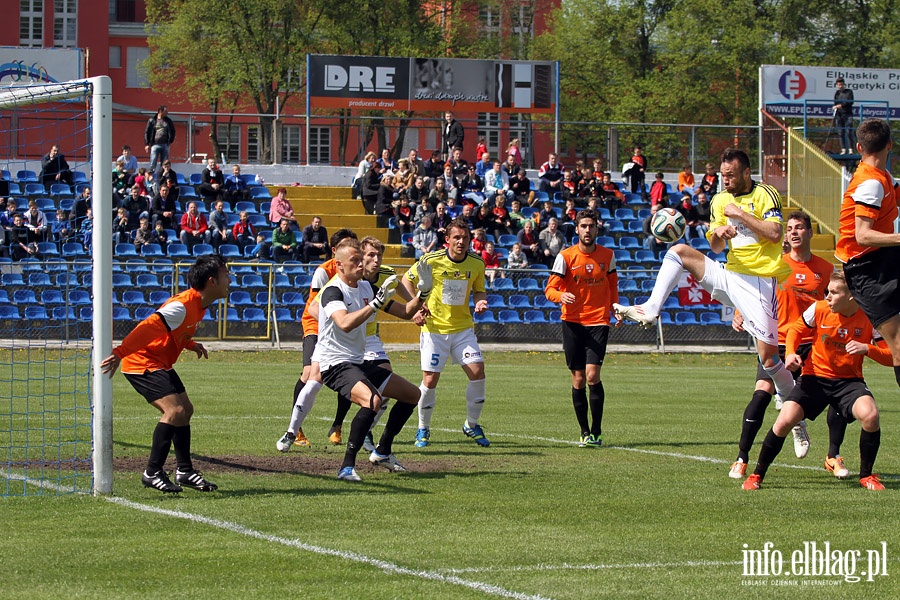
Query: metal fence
{"x": 815, "y": 182}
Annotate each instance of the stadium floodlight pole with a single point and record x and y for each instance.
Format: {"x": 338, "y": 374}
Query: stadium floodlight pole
{"x": 556, "y": 120}
{"x": 102, "y": 285}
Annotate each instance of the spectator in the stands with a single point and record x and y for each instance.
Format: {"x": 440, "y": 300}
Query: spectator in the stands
{"x": 54, "y": 168}
{"x": 569, "y": 185}
{"x": 120, "y": 182}
{"x": 370, "y": 186}
{"x": 79, "y": 209}
{"x": 496, "y": 183}
{"x": 220, "y": 233}
{"x": 543, "y": 217}
{"x": 86, "y": 230}
{"x": 418, "y": 193}
{"x": 501, "y": 223}
{"x": 140, "y": 180}
{"x": 685, "y": 178}
{"x": 510, "y": 168}
{"x": 484, "y": 165}
{"x": 280, "y": 208}
{"x": 551, "y": 174}
{"x": 194, "y": 228}
{"x": 650, "y": 242}
{"x": 451, "y": 184}
{"x": 516, "y": 258}
{"x": 458, "y": 164}
{"x": 62, "y": 230}
{"x": 529, "y": 242}
{"x": 521, "y": 187}
{"x": 236, "y": 189}
{"x": 467, "y": 214}
{"x": 710, "y": 181}
{"x": 479, "y": 240}
{"x": 138, "y": 206}
{"x": 472, "y": 186}
{"x": 387, "y": 162}
{"x": 686, "y": 208}
{"x": 434, "y": 166}
{"x": 638, "y": 171}
{"x": 212, "y": 182}
{"x": 439, "y": 193}
{"x": 425, "y": 238}
{"x": 611, "y": 196}
{"x": 162, "y": 208}
{"x": 243, "y": 231}
{"x": 703, "y": 213}
{"x": 586, "y": 184}
{"x": 552, "y": 242}
{"x": 20, "y": 246}
{"x": 659, "y": 192}
{"x": 6, "y": 219}
{"x": 161, "y": 235}
{"x": 404, "y": 215}
{"x": 514, "y": 151}
{"x": 483, "y": 219}
{"x": 131, "y": 163}
{"x": 144, "y": 235}
{"x": 404, "y": 178}
{"x": 384, "y": 208}
{"x": 36, "y": 223}
{"x": 417, "y": 164}
{"x": 121, "y": 227}
{"x": 441, "y": 221}
{"x": 516, "y": 217}
{"x": 315, "y": 241}
{"x": 358, "y": 181}
{"x": 170, "y": 178}
{"x": 480, "y": 148}
{"x": 284, "y": 242}
{"x": 261, "y": 250}
{"x": 423, "y": 209}
{"x": 453, "y": 209}
{"x": 567, "y": 221}
{"x": 492, "y": 265}
{"x": 158, "y": 137}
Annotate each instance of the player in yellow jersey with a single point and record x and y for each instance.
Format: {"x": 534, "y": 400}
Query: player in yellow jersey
{"x": 449, "y": 331}
{"x": 747, "y": 218}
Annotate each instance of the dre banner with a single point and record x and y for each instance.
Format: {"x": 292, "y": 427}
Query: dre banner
{"x": 791, "y": 91}
{"x": 431, "y": 84}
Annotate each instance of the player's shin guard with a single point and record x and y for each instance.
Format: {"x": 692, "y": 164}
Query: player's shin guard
{"x": 358, "y": 430}
{"x": 597, "y": 397}
{"x": 298, "y": 387}
{"x": 771, "y": 446}
{"x": 343, "y": 407}
{"x": 303, "y": 405}
{"x": 897, "y": 374}
{"x": 752, "y": 423}
{"x": 837, "y": 427}
{"x": 181, "y": 441}
{"x": 397, "y": 418}
{"x": 869, "y": 441}
{"x": 474, "y": 401}
{"x": 580, "y": 403}
{"x": 160, "y": 446}
{"x": 669, "y": 273}
{"x": 426, "y": 406}
{"x": 781, "y": 377}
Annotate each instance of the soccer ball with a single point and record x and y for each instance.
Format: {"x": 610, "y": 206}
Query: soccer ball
{"x": 667, "y": 225}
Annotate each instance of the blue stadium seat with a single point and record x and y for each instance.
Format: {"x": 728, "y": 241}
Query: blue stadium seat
{"x": 125, "y": 251}
{"x": 281, "y": 281}
{"x": 26, "y": 176}
{"x": 73, "y": 250}
{"x": 503, "y": 284}
{"x": 157, "y": 297}
{"x": 203, "y": 249}
{"x": 78, "y": 297}
{"x": 555, "y": 315}
{"x": 518, "y": 301}
{"x": 50, "y": 297}
{"x": 4, "y": 297}
{"x": 259, "y": 220}
{"x": 628, "y": 285}
{"x": 152, "y": 251}
{"x": 186, "y": 192}
{"x": 485, "y": 317}
{"x": 672, "y": 303}
{"x": 635, "y": 226}
{"x": 541, "y": 302}
{"x": 161, "y": 266}
{"x": 665, "y": 318}
{"x": 24, "y": 297}
{"x": 244, "y": 206}
{"x": 133, "y": 298}
{"x": 120, "y": 313}
{"x": 62, "y": 313}
{"x": 615, "y": 226}
{"x": 66, "y": 204}
{"x": 606, "y": 241}
{"x": 718, "y": 256}
{"x": 260, "y": 193}
{"x": 121, "y": 280}
{"x": 527, "y": 283}
{"x": 47, "y": 205}
{"x": 61, "y": 190}
{"x": 406, "y": 238}
{"x": 282, "y": 315}
{"x": 495, "y": 301}
{"x": 628, "y": 242}
{"x": 86, "y": 313}
{"x": 249, "y": 179}
{"x": 34, "y": 189}
{"x": 255, "y": 315}
{"x": 143, "y": 312}
{"x": 647, "y": 285}
{"x": 294, "y": 299}
{"x": 622, "y": 256}
{"x": 710, "y": 318}
{"x": 230, "y": 251}
{"x": 502, "y": 253}
{"x": 35, "y": 313}
{"x": 252, "y": 281}
{"x": 302, "y": 282}
{"x": 625, "y": 214}
{"x": 700, "y": 244}
{"x": 15, "y": 190}
{"x": 240, "y": 298}
{"x": 262, "y": 298}
{"x": 147, "y": 280}
{"x": 232, "y": 315}
{"x": 195, "y": 178}
{"x": 265, "y": 207}
{"x": 79, "y": 177}
{"x": 506, "y": 240}
{"x": 48, "y": 249}
{"x": 38, "y": 280}
{"x": 534, "y": 316}
{"x": 685, "y": 317}
{"x": 9, "y": 312}
{"x": 178, "y": 251}
{"x": 509, "y": 316}
{"x": 645, "y": 256}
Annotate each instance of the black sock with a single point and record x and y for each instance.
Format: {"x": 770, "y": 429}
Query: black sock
{"x": 298, "y": 387}
{"x": 897, "y": 374}
{"x": 397, "y": 418}
{"x": 837, "y": 427}
{"x": 752, "y": 423}
{"x": 771, "y": 446}
{"x": 597, "y": 397}
{"x": 580, "y": 402}
{"x": 869, "y": 441}
{"x": 159, "y": 448}
{"x": 181, "y": 441}
{"x": 360, "y": 426}
{"x": 343, "y": 407}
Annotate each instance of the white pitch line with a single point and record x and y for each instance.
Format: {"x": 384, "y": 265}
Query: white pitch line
{"x": 568, "y": 567}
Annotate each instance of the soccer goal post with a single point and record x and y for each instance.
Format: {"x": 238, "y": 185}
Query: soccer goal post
{"x": 59, "y": 414}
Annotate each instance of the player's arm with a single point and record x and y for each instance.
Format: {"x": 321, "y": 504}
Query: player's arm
{"x": 877, "y": 351}
{"x": 868, "y": 198}
{"x": 719, "y": 230}
{"x": 555, "y": 290}
{"x": 771, "y": 228}
{"x": 803, "y": 323}
{"x": 613, "y": 278}
{"x": 867, "y": 236}
{"x": 148, "y": 330}
{"x": 335, "y": 308}
{"x": 413, "y": 302}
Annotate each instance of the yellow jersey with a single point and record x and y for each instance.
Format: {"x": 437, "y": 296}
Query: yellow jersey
{"x": 383, "y": 273}
{"x": 749, "y": 254}
{"x": 454, "y": 284}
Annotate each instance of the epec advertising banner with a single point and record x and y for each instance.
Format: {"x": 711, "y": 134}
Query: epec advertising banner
{"x": 786, "y": 90}
{"x": 431, "y": 84}
{"x": 25, "y": 66}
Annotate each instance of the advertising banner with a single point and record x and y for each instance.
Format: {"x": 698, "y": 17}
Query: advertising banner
{"x": 431, "y": 84}
{"x": 792, "y": 91}
{"x": 20, "y": 66}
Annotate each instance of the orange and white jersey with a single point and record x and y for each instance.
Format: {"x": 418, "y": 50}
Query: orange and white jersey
{"x": 871, "y": 194}
{"x": 807, "y": 283}
{"x": 157, "y": 341}
{"x": 321, "y": 276}
{"x": 591, "y": 277}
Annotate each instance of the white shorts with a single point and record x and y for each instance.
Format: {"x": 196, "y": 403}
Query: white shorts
{"x": 436, "y": 348}
{"x": 374, "y": 349}
{"x": 753, "y": 295}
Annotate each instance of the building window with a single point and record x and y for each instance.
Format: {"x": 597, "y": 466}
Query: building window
{"x": 253, "y": 143}
{"x": 115, "y": 57}
{"x": 489, "y": 127}
{"x": 136, "y": 77}
{"x": 489, "y": 20}
{"x": 319, "y": 145}
{"x": 290, "y": 144}
{"x": 64, "y": 23}
{"x": 31, "y": 23}
{"x": 122, "y": 11}
{"x": 522, "y": 21}
{"x": 229, "y": 136}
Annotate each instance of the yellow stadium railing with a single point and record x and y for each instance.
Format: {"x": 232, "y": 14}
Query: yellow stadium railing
{"x": 815, "y": 181}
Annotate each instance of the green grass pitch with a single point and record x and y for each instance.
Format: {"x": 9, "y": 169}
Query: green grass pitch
{"x": 652, "y": 514}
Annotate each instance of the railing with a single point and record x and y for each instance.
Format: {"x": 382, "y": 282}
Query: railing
{"x": 815, "y": 182}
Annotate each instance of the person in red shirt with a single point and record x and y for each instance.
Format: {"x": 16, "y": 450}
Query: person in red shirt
{"x": 194, "y": 229}
{"x": 584, "y": 280}
{"x": 659, "y": 193}
{"x": 148, "y": 355}
{"x": 832, "y": 376}
{"x": 491, "y": 262}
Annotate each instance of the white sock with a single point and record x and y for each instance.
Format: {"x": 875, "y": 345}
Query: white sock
{"x": 304, "y": 403}
{"x": 426, "y": 406}
{"x": 380, "y": 413}
{"x": 781, "y": 377}
{"x": 669, "y": 274}
{"x": 474, "y": 401}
